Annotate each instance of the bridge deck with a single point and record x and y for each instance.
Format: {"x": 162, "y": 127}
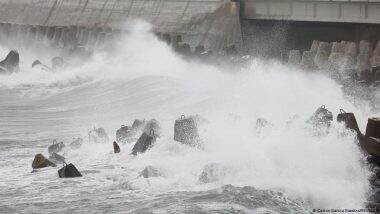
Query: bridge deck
{"x": 351, "y": 11}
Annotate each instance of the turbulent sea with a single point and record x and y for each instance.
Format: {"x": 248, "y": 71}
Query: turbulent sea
{"x": 285, "y": 168}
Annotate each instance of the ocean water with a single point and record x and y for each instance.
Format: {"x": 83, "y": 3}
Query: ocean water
{"x": 285, "y": 168}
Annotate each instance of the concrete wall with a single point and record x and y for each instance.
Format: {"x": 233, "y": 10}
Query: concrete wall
{"x": 213, "y": 23}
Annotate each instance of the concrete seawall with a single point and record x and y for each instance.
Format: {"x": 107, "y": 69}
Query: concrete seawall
{"x": 212, "y": 23}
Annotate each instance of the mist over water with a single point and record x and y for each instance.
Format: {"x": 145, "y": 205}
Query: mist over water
{"x": 287, "y": 165}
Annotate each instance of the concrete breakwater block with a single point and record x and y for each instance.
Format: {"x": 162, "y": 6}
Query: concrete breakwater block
{"x": 294, "y": 57}
{"x": 373, "y": 128}
{"x": 376, "y": 52}
{"x": 365, "y": 47}
{"x": 349, "y": 120}
{"x": 11, "y": 62}
{"x": 186, "y": 131}
{"x": 152, "y": 126}
{"x": 98, "y": 135}
{"x": 41, "y": 162}
{"x": 150, "y": 172}
{"x": 351, "y": 49}
{"x": 212, "y": 172}
{"x": 69, "y": 171}
{"x": 124, "y": 134}
{"x": 322, "y": 56}
{"x": 314, "y": 46}
{"x": 372, "y": 146}
{"x": 307, "y": 61}
{"x": 145, "y": 142}
{"x": 116, "y": 148}
{"x": 76, "y": 143}
{"x": 56, "y": 158}
{"x": 321, "y": 117}
{"x": 56, "y": 147}
{"x": 363, "y": 66}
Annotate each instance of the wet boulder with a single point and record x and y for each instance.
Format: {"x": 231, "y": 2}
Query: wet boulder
{"x": 186, "y": 131}
{"x": 11, "y": 62}
{"x": 56, "y": 158}
{"x": 56, "y": 147}
{"x": 145, "y": 142}
{"x": 212, "y": 172}
{"x": 116, "y": 148}
{"x": 76, "y": 144}
{"x": 321, "y": 118}
{"x": 41, "y": 162}
{"x": 69, "y": 171}
{"x": 98, "y": 135}
{"x": 150, "y": 172}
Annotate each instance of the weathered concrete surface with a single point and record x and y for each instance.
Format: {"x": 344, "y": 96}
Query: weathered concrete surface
{"x": 213, "y": 23}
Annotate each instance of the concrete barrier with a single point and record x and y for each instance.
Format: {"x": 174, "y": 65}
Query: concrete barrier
{"x": 307, "y": 61}
{"x": 322, "y": 56}
{"x": 294, "y": 57}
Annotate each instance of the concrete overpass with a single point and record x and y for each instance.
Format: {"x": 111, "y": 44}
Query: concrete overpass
{"x": 340, "y": 11}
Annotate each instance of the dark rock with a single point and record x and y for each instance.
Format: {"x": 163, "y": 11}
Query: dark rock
{"x": 150, "y": 172}
{"x": 41, "y": 162}
{"x": 98, "y": 135}
{"x": 321, "y": 118}
{"x": 116, "y": 148}
{"x": 212, "y": 172}
{"x": 56, "y": 147}
{"x": 145, "y": 142}
{"x": 56, "y": 158}
{"x": 76, "y": 144}
{"x": 373, "y": 128}
{"x": 186, "y": 131}
{"x": 11, "y": 62}
{"x": 69, "y": 171}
